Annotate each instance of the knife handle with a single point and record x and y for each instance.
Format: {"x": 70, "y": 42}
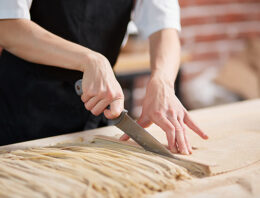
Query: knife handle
{"x": 78, "y": 89}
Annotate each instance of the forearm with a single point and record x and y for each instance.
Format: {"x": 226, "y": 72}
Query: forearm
{"x": 31, "y": 42}
{"x": 165, "y": 54}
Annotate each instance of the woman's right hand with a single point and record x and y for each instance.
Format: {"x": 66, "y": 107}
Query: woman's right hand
{"x": 100, "y": 87}
{"x": 29, "y": 41}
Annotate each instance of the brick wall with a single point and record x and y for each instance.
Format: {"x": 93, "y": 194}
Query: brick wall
{"x": 212, "y": 31}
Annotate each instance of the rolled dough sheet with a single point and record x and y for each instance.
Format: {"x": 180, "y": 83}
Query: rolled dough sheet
{"x": 242, "y": 183}
{"x": 234, "y": 136}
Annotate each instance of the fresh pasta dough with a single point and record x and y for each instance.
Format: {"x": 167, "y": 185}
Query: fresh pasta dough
{"x": 99, "y": 169}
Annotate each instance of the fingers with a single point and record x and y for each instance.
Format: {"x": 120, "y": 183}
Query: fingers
{"x": 124, "y": 137}
{"x": 89, "y": 104}
{"x": 97, "y": 105}
{"x": 180, "y": 136}
{"x": 85, "y": 97}
{"x": 169, "y": 129}
{"x": 185, "y": 136}
{"x": 144, "y": 121}
{"x": 187, "y": 143}
{"x": 189, "y": 122}
{"x": 116, "y": 107}
{"x": 175, "y": 150}
{"x": 175, "y": 133}
{"x": 100, "y": 107}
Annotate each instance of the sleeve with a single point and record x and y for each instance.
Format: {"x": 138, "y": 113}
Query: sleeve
{"x": 153, "y": 15}
{"x": 13, "y": 9}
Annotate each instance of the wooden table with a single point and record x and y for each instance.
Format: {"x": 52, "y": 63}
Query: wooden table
{"x": 243, "y": 181}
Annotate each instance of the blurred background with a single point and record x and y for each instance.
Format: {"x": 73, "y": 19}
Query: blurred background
{"x": 220, "y": 55}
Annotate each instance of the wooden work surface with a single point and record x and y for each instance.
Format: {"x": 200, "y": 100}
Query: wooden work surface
{"x": 233, "y": 150}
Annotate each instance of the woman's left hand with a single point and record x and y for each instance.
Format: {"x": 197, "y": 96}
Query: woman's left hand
{"x": 162, "y": 107}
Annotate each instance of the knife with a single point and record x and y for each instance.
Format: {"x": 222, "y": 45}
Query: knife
{"x": 125, "y": 123}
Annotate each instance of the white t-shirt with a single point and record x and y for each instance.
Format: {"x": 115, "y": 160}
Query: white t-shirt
{"x": 149, "y": 15}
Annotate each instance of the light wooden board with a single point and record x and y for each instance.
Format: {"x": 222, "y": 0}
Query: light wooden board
{"x": 234, "y": 132}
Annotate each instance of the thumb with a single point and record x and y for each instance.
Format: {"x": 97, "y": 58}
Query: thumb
{"x": 144, "y": 121}
{"x": 116, "y": 107}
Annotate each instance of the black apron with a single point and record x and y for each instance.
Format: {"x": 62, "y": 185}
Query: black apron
{"x": 38, "y": 101}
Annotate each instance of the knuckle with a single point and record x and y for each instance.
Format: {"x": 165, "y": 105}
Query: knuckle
{"x": 92, "y": 93}
{"x": 87, "y": 106}
{"x": 109, "y": 95}
{"x": 83, "y": 98}
{"x": 102, "y": 94}
{"x": 120, "y": 95}
{"x": 171, "y": 113}
{"x": 177, "y": 126}
{"x": 115, "y": 94}
{"x": 94, "y": 112}
{"x": 170, "y": 128}
{"x": 179, "y": 129}
{"x": 157, "y": 115}
{"x": 181, "y": 144}
{"x": 181, "y": 116}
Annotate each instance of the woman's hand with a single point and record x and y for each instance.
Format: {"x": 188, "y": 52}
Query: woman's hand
{"x": 29, "y": 41}
{"x": 100, "y": 88}
{"x": 162, "y": 107}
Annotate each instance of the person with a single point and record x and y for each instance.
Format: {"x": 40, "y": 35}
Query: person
{"x": 49, "y": 44}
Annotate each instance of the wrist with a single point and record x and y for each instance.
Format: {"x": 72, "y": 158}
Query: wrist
{"x": 86, "y": 60}
{"x": 164, "y": 68}
{"x": 163, "y": 78}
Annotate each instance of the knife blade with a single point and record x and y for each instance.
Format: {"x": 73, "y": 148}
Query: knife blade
{"x": 129, "y": 126}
